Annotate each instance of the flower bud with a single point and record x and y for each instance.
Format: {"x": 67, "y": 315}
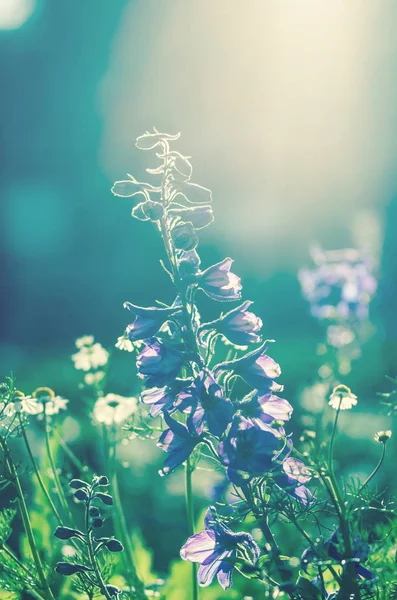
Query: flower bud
{"x": 97, "y": 523}
{"x": 81, "y": 495}
{"x": 94, "y": 511}
{"x": 184, "y": 237}
{"x": 77, "y": 484}
{"x": 103, "y": 480}
{"x": 65, "y": 533}
{"x": 65, "y": 568}
{"x": 114, "y": 546}
{"x": 112, "y": 590}
{"x": 106, "y": 498}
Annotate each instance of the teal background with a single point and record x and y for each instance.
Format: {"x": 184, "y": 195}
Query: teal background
{"x": 81, "y": 79}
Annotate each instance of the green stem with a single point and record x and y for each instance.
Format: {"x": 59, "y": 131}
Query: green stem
{"x": 191, "y": 521}
{"x": 91, "y": 553}
{"x": 26, "y": 522}
{"x": 374, "y": 472}
{"x": 38, "y": 475}
{"x": 125, "y": 538}
{"x": 71, "y": 455}
{"x": 57, "y": 482}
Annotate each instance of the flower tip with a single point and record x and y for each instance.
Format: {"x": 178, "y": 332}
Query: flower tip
{"x": 383, "y": 436}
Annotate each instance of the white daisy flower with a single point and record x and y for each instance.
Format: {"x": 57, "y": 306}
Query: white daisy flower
{"x": 92, "y": 378}
{"x": 85, "y": 340}
{"x": 90, "y": 357}
{"x": 342, "y": 398}
{"x": 113, "y": 409}
{"x": 45, "y": 397}
{"x": 123, "y": 343}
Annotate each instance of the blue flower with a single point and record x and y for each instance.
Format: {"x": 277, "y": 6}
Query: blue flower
{"x": 256, "y": 368}
{"x": 208, "y": 405}
{"x": 295, "y": 472}
{"x": 148, "y": 320}
{"x": 248, "y": 451}
{"x": 331, "y": 547}
{"x": 179, "y": 442}
{"x": 219, "y": 283}
{"x": 159, "y": 363}
{"x": 265, "y": 408}
{"x": 163, "y": 399}
{"x": 239, "y": 326}
{"x": 216, "y": 550}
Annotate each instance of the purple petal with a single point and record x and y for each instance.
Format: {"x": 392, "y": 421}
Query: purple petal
{"x": 210, "y": 567}
{"x": 198, "y": 547}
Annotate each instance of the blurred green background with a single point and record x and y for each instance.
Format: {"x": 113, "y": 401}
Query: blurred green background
{"x": 289, "y": 111}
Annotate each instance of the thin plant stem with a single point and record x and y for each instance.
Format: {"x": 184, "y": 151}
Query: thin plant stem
{"x": 374, "y": 472}
{"x": 26, "y": 522}
{"x": 191, "y": 521}
{"x": 57, "y": 482}
{"x": 38, "y": 475}
{"x": 91, "y": 553}
{"x": 71, "y": 455}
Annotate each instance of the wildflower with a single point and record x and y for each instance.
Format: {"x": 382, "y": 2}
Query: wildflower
{"x": 163, "y": 399}
{"x": 20, "y": 404}
{"x": 256, "y": 368}
{"x": 86, "y": 340}
{"x": 188, "y": 265}
{"x": 219, "y": 283}
{"x": 90, "y": 355}
{"x": 382, "y": 436}
{"x": 93, "y": 378}
{"x": 239, "y": 326}
{"x": 265, "y": 408}
{"x": 148, "y": 321}
{"x": 159, "y": 363}
{"x": 340, "y": 286}
{"x": 148, "y": 210}
{"x": 208, "y": 405}
{"x": 113, "y": 409}
{"x": 216, "y": 549}
{"x": 332, "y": 546}
{"x": 248, "y": 451}
{"x": 198, "y": 216}
{"x": 184, "y": 236}
{"x": 179, "y": 442}
{"x": 296, "y": 469}
{"x": 47, "y": 399}
{"x": 342, "y": 398}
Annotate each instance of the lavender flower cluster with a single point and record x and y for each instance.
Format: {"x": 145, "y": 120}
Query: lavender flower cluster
{"x": 193, "y": 394}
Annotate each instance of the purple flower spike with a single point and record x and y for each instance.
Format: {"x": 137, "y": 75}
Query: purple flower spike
{"x": 163, "y": 399}
{"x": 216, "y": 549}
{"x": 178, "y": 442}
{"x": 248, "y": 451}
{"x": 256, "y": 368}
{"x": 266, "y": 408}
{"x": 208, "y": 405}
{"x": 158, "y": 363}
{"x": 147, "y": 320}
{"x": 219, "y": 283}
